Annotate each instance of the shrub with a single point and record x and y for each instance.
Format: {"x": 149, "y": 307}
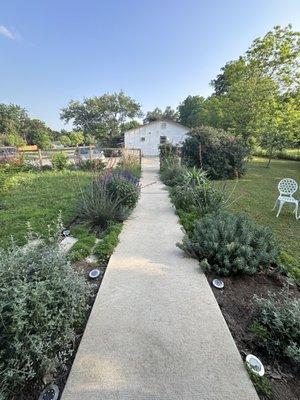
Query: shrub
{"x": 131, "y": 165}
{"x": 170, "y": 172}
{"x": 91, "y": 165}
{"x": 221, "y": 155}
{"x": 167, "y": 153}
{"x": 104, "y": 249}
{"x": 277, "y": 323}
{"x": 204, "y": 199}
{"x": 291, "y": 265}
{"x": 46, "y": 167}
{"x": 43, "y": 304}
{"x": 192, "y": 176}
{"x": 188, "y": 219}
{"x": 123, "y": 187}
{"x": 110, "y": 197}
{"x": 60, "y": 161}
{"x": 98, "y": 207}
{"x": 230, "y": 244}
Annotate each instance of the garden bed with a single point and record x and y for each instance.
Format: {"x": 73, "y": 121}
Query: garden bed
{"x": 256, "y": 266}
{"x": 235, "y": 303}
{"x": 60, "y": 378}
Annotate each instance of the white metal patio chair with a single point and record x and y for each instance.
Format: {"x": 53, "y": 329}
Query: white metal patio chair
{"x": 287, "y": 187}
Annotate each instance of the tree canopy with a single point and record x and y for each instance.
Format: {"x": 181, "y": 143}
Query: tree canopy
{"x": 256, "y": 97}
{"x": 16, "y": 128}
{"x": 102, "y": 116}
{"x": 157, "y": 113}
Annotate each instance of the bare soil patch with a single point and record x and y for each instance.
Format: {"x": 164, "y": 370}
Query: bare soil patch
{"x": 235, "y": 303}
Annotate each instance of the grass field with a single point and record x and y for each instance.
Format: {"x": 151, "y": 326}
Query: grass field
{"x": 287, "y": 154}
{"x": 258, "y": 192}
{"x": 37, "y": 198}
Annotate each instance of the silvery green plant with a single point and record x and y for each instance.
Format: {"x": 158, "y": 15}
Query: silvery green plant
{"x": 230, "y": 244}
{"x": 277, "y": 324}
{"x": 43, "y": 305}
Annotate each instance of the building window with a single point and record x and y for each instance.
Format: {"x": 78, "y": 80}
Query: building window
{"x": 142, "y": 139}
{"x": 163, "y": 125}
{"x": 163, "y": 139}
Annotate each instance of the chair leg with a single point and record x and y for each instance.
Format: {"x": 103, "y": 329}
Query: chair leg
{"x": 279, "y": 209}
{"x": 275, "y": 205}
{"x": 296, "y": 210}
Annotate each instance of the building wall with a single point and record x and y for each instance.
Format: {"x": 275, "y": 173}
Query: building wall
{"x": 147, "y": 137}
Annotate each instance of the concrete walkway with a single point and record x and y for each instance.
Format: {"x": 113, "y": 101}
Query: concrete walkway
{"x": 156, "y": 331}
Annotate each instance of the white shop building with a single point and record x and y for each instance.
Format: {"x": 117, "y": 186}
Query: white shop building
{"x": 148, "y": 137}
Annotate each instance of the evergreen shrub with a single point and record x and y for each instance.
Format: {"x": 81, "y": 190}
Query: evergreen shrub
{"x": 221, "y": 155}
{"x": 230, "y": 244}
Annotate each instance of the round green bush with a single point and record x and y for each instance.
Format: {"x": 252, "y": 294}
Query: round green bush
{"x": 60, "y": 161}
{"x": 230, "y": 244}
{"x": 222, "y": 155}
{"x": 123, "y": 190}
{"x": 43, "y": 304}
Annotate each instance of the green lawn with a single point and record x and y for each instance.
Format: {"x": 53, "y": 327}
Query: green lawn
{"x": 258, "y": 191}
{"x": 37, "y": 198}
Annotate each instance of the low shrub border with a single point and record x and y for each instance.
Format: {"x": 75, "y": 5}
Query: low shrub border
{"x": 220, "y": 236}
{"x": 43, "y": 304}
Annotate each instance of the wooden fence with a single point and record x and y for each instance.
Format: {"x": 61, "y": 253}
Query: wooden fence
{"x": 79, "y": 153}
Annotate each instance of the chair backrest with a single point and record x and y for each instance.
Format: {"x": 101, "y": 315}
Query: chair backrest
{"x": 287, "y": 186}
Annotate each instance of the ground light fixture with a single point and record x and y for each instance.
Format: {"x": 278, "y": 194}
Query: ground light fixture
{"x": 94, "y": 273}
{"x": 255, "y": 364}
{"x": 218, "y": 283}
{"x": 51, "y": 392}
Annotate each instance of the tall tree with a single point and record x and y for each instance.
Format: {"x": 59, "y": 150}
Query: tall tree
{"x": 102, "y": 116}
{"x": 277, "y": 55}
{"x": 129, "y": 125}
{"x": 13, "y": 119}
{"x": 153, "y": 115}
{"x": 280, "y": 128}
{"x": 258, "y": 86}
{"x": 157, "y": 114}
{"x": 169, "y": 113}
{"x": 231, "y": 72}
{"x": 190, "y": 110}
{"x": 36, "y": 132}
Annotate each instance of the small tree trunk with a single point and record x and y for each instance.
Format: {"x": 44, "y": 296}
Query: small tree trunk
{"x": 270, "y": 157}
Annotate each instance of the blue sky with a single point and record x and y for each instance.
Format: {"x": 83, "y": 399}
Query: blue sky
{"x": 158, "y": 52}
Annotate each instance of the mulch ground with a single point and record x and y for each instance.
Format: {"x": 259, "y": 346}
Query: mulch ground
{"x": 235, "y": 303}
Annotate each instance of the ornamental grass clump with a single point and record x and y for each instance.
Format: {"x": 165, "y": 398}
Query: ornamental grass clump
{"x": 230, "y": 244}
{"x": 109, "y": 198}
{"x": 277, "y": 324}
{"x": 43, "y": 305}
